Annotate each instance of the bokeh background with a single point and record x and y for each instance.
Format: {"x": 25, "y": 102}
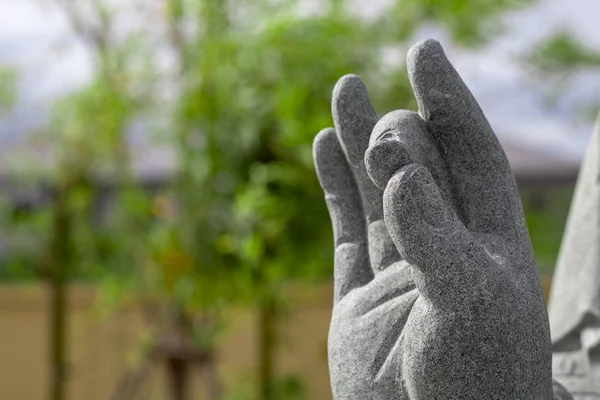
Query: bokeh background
{"x": 163, "y": 234}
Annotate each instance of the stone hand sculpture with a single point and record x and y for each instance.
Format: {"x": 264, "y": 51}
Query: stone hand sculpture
{"x": 437, "y": 295}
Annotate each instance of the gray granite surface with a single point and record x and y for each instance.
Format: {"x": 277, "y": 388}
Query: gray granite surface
{"x": 437, "y": 295}
{"x": 574, "y": 306}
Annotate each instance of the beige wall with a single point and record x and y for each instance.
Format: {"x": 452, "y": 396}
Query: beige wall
{"x": 101, "y": 348}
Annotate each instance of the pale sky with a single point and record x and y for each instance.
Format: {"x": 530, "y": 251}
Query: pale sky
{"x": 35, "y": 39}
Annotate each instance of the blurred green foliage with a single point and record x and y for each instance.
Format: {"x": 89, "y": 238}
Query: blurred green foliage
{"x": 8, "y": 86}
{"x": 287, "y": 387}
{"x": 556, "y": 60}
{"x": 563, "y": 54}
{"x": 468, "y": 22}
{"x": 546, "y": 213}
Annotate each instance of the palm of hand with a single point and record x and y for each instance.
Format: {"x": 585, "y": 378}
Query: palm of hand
{"x": 442, "y": 300}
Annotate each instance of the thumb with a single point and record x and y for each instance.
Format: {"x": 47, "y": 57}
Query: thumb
{"x": 430, "y": 236}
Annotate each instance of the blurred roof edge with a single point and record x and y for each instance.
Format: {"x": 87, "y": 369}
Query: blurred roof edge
{"x": 154, "y": 165}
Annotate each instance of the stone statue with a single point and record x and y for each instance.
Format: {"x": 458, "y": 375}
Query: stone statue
{"x": 437, "y": 295}
{"x": 575, "y": 297}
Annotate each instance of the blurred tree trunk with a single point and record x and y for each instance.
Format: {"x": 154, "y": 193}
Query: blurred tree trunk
{"x": 177, "y": 354}
{"x": 60, "y": 259}
{"x": 182, "y": 354}
{"x": 180, "y": 366}
{"x": 267, "y": 315}
{"x": 178, "y": 374}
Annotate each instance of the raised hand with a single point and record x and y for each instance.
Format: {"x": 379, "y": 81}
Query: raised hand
{"x": 437, "y": 295}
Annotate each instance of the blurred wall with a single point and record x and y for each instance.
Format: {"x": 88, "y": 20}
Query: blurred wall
{"x": 101, "y": 349}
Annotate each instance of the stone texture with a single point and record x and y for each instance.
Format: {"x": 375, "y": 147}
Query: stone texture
{"x": 575, "y": 298}
{"x": 437, "y": 293}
